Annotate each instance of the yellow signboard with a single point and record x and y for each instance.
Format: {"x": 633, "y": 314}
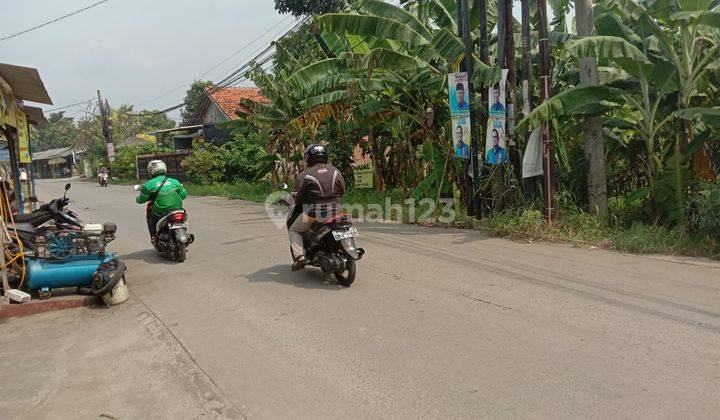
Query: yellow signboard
{"x": 23, "y": 140}
{"x": 363, "y": 175}
{"x": 7, "y": 104}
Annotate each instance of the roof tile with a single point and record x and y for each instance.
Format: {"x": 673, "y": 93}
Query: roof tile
{"x": 229, "y": 98}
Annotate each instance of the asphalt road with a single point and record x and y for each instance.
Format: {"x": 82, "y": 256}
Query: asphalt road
{"x": 439, "y": 324}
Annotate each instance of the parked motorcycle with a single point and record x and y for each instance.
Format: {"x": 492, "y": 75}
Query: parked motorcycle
{"x": 172, "y": 232}
{"x": 329, "y": 245}
{"x": 54, "y": 231}
{"x": 103, "y": 179}
{"x": 59, "y": 250}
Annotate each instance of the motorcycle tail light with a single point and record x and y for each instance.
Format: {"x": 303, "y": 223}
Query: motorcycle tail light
{"x": 178, "y": 217}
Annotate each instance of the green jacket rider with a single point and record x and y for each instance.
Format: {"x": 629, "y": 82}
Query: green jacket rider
{"x": 167, "y": 194}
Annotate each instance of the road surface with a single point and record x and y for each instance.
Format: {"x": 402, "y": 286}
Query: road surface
{"x": 440, "y": 323}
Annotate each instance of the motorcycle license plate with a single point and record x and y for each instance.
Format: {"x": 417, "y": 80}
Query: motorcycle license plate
{"x": 345, "y": 234}
{"x": 181, "y": 226}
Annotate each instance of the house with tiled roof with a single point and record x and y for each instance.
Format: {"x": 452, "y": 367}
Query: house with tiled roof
{"x": 225, "y": 104}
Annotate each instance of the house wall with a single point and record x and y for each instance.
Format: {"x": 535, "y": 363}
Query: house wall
{"x": 213, "y": 115}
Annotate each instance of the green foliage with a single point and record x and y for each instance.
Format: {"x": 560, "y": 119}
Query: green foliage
{"x": 206, "y": 164}
{"x": 299, "y": 8}
{"x": 242, "y": 159}
{"x": 58, "y": 131}
{"x": 705, "y": 219}
{"x": 193, "y": 99}
{"x": 125, "y": 166}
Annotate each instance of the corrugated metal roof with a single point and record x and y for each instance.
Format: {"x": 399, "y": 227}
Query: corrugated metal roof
{"x": 53, "y": 153}
{"x": 35, "y": 115}
{"x": 25, "y": 83}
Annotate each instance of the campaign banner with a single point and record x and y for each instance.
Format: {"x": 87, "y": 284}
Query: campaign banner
{"x": 461, "y": 137}
{"x": 496, "y": 139}
{"x": 459, "y": 91}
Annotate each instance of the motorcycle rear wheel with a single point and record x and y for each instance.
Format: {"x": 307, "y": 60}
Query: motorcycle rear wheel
{"x": 181, "y": 252}
{"x": 350, "y": 269}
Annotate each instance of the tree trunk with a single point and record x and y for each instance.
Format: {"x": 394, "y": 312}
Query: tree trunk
{"x": 592, "y": 127}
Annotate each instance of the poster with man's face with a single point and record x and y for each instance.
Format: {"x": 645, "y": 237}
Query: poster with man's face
{"x": 498, "y": 98}
{"x": 461, "y": 137}
{"x": 459, "y": 94}
{"x": 495, "y": 144}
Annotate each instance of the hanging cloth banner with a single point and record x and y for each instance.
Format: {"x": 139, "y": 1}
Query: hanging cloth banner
{"x": 23, "y": 139}
{"x": 496, "y": 140}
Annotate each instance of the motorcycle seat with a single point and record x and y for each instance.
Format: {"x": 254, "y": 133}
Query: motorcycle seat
{"x": 23, "y": 218}
{"x": 342, "y": 219}
{"x": 24, "y": 228}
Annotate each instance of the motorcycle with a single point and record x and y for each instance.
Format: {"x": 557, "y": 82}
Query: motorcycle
{"x": 58, "y": 250}
{"x": 329, "y": 245}
{"x": 172, "y": 232}
{"x": 56, "y": 231}
{"x": 103, "y": 179}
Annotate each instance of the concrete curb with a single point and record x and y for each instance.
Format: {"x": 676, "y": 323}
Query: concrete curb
{"x": 11, "y": 310}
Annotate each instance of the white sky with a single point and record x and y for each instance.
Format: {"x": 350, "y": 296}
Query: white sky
{"x": 133, "y": 50}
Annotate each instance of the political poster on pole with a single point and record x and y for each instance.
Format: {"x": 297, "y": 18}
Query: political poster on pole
{"x": 461, "y": 136}
{"x": 496, "y": 140}
{"x": 459, "y": 94}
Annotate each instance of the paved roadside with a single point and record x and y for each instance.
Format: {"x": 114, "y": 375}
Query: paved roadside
{"x": 440, "y": 324}
{"x": 90, "y": 363}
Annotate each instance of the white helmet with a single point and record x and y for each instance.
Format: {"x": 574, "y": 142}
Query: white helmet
{"x": 156, "y": 167}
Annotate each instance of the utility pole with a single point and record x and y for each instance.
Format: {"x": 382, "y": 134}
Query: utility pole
{"x": 592, "y": 126}
{"x": 107, "y": 129}
{"x": 485, "y": 58}
{"x": 512, "y": 87}
{"x": 547, "y": 132}
{"x": 464, "y": 11}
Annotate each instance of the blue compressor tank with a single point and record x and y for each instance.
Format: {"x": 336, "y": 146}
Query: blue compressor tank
{"x": 77, "y": 270}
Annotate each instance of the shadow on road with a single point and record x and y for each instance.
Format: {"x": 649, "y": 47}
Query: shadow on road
{"x": 460, "y": 236}
{"x": 147, "y": 255}
{"x": 309, "y": 278}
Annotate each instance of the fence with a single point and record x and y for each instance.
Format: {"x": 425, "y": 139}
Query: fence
{"x": 173, "y": 160}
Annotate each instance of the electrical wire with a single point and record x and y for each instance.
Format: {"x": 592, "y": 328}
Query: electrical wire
{"x": 53, "y": 21}
{"x": 71, "y": 105}
{"x": 243, "y": 48}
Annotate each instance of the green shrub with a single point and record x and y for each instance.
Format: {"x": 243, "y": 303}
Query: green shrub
{"x": 125, "y": 166}
{"x": 243, "y": 156}
{"x": 205, "y": 165}
{"x": 705, "y": 216}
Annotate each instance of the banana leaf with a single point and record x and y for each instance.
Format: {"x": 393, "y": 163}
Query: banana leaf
{"x": 671, "y": 190}
{"x": 373, "y": 26}
{"x": 709, "y": 116}
{"x": 581, "y": 100}
{"x": 386, "y": 10}
{"x": 625, "y": 54}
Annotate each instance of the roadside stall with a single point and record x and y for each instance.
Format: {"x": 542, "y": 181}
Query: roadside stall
{"x": 19, "y": 84}
{"x": 49, "y": 249}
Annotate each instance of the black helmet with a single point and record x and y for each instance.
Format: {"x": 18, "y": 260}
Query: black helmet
{"x": 315, "y": 153}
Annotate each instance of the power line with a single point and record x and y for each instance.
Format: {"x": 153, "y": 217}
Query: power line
{"x": 243, "y": 48}
{"x": 53, "y": 21}
{"x": 70, "y": 106}
{"x": 239, "y": 73}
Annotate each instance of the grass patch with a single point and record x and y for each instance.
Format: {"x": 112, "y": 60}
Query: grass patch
{"x": 578, "y": 227}
{"x": 256, "y": 192}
